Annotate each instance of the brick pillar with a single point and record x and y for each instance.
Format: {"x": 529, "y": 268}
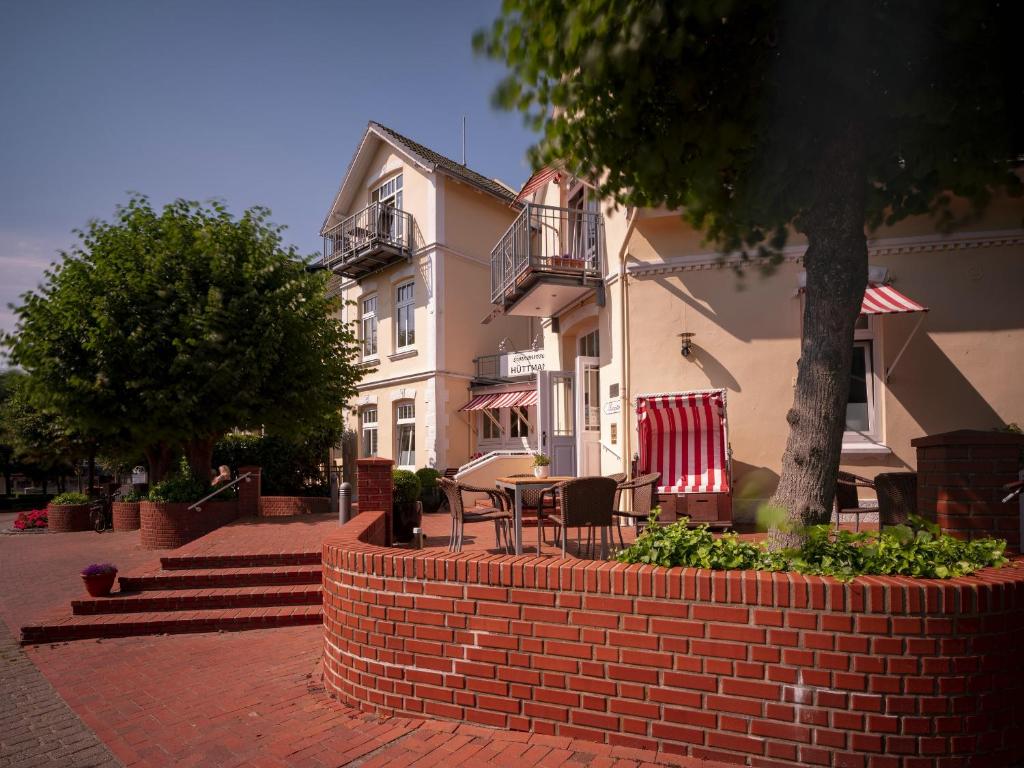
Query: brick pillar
{"x": 375, "y": 488}
{"x": 960, "y": 476}
{"x": 249, "y": 492}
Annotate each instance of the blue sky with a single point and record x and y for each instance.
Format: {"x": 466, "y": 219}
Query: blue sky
{"x": 253, "y": 102}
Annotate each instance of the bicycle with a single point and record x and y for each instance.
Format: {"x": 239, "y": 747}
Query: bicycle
{"x": 101, "y": 512}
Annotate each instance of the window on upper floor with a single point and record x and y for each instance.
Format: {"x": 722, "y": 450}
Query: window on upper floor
{"x": 368, "y": 431}
{"x": 389, "y": 192}
{"x": 368, "y": 323}
{"x": 389, "y": 225}
{"x": 405, "y": 435}
{"x": 405, "y": 316}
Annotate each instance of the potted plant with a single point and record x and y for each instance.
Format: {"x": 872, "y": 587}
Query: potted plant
{"x": 430, "y": 493}
{"x": 406, "y": 510}
{"x": 541, "y": 465}
{"x": 99, "y": 578}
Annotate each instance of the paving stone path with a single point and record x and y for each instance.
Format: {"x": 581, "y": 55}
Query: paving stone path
{"x": 37, "y": 727}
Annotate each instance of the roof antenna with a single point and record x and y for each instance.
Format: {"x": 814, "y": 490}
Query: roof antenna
{"x": 463, "y": 140}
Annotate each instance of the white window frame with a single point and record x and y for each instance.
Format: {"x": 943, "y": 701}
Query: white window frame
{"x": 867, "y": 342}
{"x": 369, "y": 316}
{"x": 405, "y": 313}
{"x": 366, "y": 426}
{"x": 405, "y": 423}
{"x": 389, "y": 191}
{"x": 503, "y": 420}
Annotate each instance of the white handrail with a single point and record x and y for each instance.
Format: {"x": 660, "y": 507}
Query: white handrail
{"x": 487, "y": 457}
{"x": 237, "y": 480}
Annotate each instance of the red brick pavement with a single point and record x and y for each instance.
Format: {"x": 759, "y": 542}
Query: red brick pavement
{"x": 256, "y": 699}
{"x": 240, "y": 699}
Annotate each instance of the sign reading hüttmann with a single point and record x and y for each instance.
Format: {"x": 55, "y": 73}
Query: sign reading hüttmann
{"x": 522, "y": 363}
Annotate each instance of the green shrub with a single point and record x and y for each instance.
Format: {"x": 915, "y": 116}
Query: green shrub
{"x": 428, "y": 478}
{"x": 72, "y": 497}
{"x": 131, "y": 497}
{"x": 917, "y": 549}
{"x": 407, "y": 486}
{"x": 182, "y": 487}
{"x": 289, "y": 467}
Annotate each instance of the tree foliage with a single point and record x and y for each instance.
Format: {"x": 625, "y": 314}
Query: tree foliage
{"x": 289, "y": 466}
{"x": 720, "y": 108}
{"x": 33, "y": 442}
{"x": 171, "y": 327}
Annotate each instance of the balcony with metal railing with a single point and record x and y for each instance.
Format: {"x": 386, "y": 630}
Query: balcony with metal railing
{"x": 549, "y": 258}
{"x": 368, "y": 241}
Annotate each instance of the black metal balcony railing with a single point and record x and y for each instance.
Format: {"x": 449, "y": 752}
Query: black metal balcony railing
{"x": 545, "y": 240}
{"x": 368, "y": 240}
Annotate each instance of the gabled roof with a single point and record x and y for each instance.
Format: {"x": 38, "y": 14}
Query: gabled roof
{"x": 422, "y": 156}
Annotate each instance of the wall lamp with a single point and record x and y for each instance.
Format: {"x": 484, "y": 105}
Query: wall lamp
{"x": 686, "y": 346}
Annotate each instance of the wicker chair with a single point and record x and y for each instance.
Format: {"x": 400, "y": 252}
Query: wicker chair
{"x": 585, "y": 501}
{"x": 644, "y": 490}
{"x": 847, "y": 501}
{"x": 497, "y": 513}
{"x": 897, "y": 497}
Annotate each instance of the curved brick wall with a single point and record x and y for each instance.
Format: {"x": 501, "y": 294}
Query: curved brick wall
{"x": 280, "y": 506}
{"x": 169, "y": 526}
{"x": 66, "y": 518}
{"x": 125, "y": 515}
{"x": 757, "y": 668}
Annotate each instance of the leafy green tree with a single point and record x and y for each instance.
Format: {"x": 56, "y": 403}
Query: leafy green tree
{"x": 166, "y": 329}
{"x": 35, "y": 443}
{"x": 756, "y": 118}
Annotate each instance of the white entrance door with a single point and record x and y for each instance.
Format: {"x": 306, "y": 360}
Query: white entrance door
{"x": 556, "y": 416}
{"x": 588, "y": 416}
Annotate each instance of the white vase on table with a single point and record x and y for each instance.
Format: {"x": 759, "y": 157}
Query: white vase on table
{"x": 541, "y": 472}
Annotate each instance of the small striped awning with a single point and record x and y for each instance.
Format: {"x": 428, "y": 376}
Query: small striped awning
{"x": 520, "y": 398}
{"x": 886, "y": 300}
{"x": 535, "y": 182}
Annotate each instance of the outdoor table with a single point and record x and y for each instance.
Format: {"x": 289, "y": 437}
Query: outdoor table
{"x": 516, "y": 486}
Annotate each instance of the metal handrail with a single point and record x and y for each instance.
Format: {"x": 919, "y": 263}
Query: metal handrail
{"x": 547, "y": 239}
{"x": 236, "y": 481}
{"x": 376, "y": 224}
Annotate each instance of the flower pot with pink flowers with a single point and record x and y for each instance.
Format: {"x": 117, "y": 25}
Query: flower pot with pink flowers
{"x": 99, "y": 578}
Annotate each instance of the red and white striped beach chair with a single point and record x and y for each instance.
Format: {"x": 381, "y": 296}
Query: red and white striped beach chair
{"x": 684, "y": 437}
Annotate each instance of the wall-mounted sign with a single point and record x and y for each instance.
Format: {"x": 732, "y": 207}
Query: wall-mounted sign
{"x": 611, "y": 407}
{"x": 139, "y": 475}
{"x": 524, "y": 363}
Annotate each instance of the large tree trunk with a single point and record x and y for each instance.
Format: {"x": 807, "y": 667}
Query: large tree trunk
{"x": 199, "y": 451}
{"x": 837, "y": 269}
{"x": 158, "y": 460}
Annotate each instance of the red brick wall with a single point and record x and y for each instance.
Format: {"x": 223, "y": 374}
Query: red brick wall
{"x": 281, "y": 506}
{"x": 375, "y": 489}
{"x": 752, "y": 668}
{"x": 249, "y": 492}
{"x": 960, "y": 476}
{"x": 66, "y": 518}
{"x": 169, "y": 526}
{"x": 125, "y": 515}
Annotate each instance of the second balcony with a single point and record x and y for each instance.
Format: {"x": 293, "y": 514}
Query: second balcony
{"x": 368, "y": 241}
{"x": 549, "y": 258}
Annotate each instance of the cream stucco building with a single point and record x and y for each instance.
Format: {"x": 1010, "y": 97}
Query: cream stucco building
{"x": 615, "y": 289}
{"x": 408, "y": 237}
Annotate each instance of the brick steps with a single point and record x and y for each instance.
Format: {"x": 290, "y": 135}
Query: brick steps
{"x": 199, "y": 599}
{"x": 197, "y": 593}
{"x": 205, "y": 578}
{"x": 191, "y": 562}
{"x": 161, "y": 622}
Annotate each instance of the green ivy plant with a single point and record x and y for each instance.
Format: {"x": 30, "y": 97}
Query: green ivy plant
{"x": 917, "y": 549}
{"x": 182, "y": 487}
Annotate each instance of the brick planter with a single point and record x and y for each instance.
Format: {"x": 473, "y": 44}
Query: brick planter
{"x": 67, "y": 518}
{"x": 126, "y": 515}
{"x": 283, "y": 506}
{"x": 960, "y": 476}
{"x": 744, "y": 667}
{"x": 169, "y": 526}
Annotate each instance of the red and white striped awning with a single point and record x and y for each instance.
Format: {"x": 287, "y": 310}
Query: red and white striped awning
{"x": 684, "y": 437}
{"x": 886, "y": 300}
{"x": 519, "y": 398}
{"x": 535, "y": 182}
